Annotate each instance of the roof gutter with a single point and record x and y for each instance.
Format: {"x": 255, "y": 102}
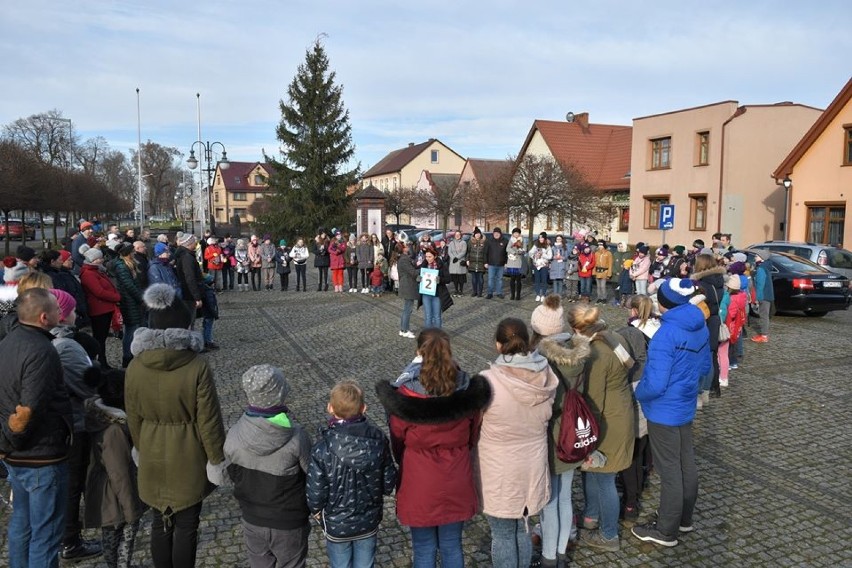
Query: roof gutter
{"x": 740, "y": 111}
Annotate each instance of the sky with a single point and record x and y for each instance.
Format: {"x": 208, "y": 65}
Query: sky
{"x": 470, "y": 73}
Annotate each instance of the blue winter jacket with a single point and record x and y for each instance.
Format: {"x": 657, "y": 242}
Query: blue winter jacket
{"x": 678, "y": 356}
{"x": 763, "y": 288}
{"x": 160, "y": 271}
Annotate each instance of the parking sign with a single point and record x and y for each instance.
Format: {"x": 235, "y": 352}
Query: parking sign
{"x": 666, "y": 217}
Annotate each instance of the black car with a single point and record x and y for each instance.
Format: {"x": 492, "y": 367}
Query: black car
{"x": 804, "y": 286}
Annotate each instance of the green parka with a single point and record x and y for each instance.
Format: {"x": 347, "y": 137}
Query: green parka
{"x": 174, "y": 417}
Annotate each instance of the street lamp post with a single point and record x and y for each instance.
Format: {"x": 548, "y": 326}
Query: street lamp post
{"x": 192, "y": 162}
{"x": 787, "y": 183}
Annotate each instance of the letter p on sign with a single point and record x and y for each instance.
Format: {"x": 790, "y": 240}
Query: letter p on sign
{"x": 667, "y": 217}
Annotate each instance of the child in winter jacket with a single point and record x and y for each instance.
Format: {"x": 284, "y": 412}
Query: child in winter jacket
{"x": 625, "y": 283}
{"x": 377, "y": 276}
{"x": 268, "y": 454}
{"x": 209, "y": 311}
{"x": 351, "y": 469}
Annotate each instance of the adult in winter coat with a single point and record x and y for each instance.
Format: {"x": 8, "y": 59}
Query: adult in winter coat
{"x": 128, "y": 278}
{"x": 603, "y": 270}
{"x": 255, "y": 263}
{"x": 678, "y": 356}
{"x": 160, "y": 270}
{"x": 515, "y": 264}
{"x": 409, "y": 291}
{"x": 365, "y": 253}
{"x": 351, "y": 471}
{"x": 558, "y": 264}
{"x": 476, "y": 261}
{"x": 710, "y": 279}
{"x": 435, "y": 304}
{"x": 189, "y": 273}
{"x": 640, "y": 269}
{"x": 434, "y": 413}
{"x": 610, "y": 399}
{"x": 566, "y": 353}
{"x": 572, "y": 271}
{"x": 764, "y": 296}
{"x": 242, "y": 265}
{"x": 514, "y": 478}
{"x": 282, "y": 264}
{"x": 540, "y": 255}
{"x": 457, "y": 255}
{"x": 496, "y": 258}
{"x": 102, "y": 298}
{"x": 267, "y": 262}
{"x": 300, "y": 256}
{"x": 586, "y": 271}
{"x": 63, "y": 278}
{"x": 176, "y": 424}
{"x": 269, "y": 455}
{"x": 322, "y": 260}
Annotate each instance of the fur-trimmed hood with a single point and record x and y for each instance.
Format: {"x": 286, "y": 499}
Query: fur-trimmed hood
{"x": 99, "y": 415}
{"x": 166, "y": 349}
{"x": 438, "y": 409}
{"x": 565, "y": 349}
{"x": 720, "y": 270}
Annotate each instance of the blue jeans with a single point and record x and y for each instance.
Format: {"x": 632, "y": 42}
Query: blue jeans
{"x": 602, "y": 502}
{"x": 38, "y": 517}
{"x": 557, "y": 517}
{"x": 495, "y": 279}
{"x": 129, "y": 330}
{"x": 705, "y": 382}
{"x": 207, "y": 329}
{"x": 352, "y": 554}
{"x": 511, "y": 545}
{"x": 541, "y": 276}
{"x": 427, "y": 541}
{"x": 432, "y": 311}
{"x": 476, "y": 281}
{"x": 405, "y": 322}
{"x": 557, "y": 286}
{"x": 586, "y": 286}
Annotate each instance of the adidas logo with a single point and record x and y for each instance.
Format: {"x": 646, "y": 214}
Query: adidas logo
{"x": 584, "y": 431}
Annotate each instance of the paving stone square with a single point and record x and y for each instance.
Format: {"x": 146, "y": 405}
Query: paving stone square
{"x": 774, "y": 453}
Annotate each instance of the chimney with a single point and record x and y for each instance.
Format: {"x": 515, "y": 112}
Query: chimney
{"x": 410, "y": 144}
{"x": 582, "y": 118}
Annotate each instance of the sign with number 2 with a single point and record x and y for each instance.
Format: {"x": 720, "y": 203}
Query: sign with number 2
{"x": 428, "y": 281}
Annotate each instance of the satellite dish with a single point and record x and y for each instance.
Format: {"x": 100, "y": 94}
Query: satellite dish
{"x": 569, "y": 117}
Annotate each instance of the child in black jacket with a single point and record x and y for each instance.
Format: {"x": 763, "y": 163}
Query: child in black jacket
{"x": 351, "y": 470}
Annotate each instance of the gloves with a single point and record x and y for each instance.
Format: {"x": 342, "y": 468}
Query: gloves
{"x": 216, "y": 473}
{"x": 19, "y": 419}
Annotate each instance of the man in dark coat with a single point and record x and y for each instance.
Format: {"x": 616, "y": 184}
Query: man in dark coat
{"x": 495, "y": 260}
{"x": 189, "y": 272}
{"x": 35, "y": 431}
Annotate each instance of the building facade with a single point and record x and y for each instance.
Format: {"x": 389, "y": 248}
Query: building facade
{"x": 237, "y": 188}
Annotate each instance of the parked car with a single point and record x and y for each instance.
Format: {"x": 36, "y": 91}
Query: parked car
{"x": 835, "y": 259}
{"x": 804, "y": 286}
{"x": 16, "y": 230}
{"x": 395, "y": 227}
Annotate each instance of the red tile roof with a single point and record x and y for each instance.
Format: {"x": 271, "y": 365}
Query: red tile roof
{"x": 398, "y": 159}
{"x": 486, "y": 171}
{"x": 236, "y": 177}
{"x": 811, "y": 136}
{"x": 600, "y": 151}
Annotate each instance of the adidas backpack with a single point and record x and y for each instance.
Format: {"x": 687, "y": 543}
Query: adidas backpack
{"x": 578, "y": 432}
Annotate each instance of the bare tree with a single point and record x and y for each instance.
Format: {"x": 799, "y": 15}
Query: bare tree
{"x": 161, "y": 169}
{"x": 442, "y": 199}
{"x": 19, "y": 177}
{"x": 48, "y": 136}
{"x": 117, "y": 174}
{"x": 486, "y": 198}
{"x": 400, "y": 201}
{"x": 541, "y": 185}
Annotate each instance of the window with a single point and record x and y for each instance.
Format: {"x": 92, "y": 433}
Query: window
{"x": 549, "y": 221}
{"x": 652, "y": 210}
{"x": 702, "y": 146}
{"x": 241, "y": 213}
{"x": 216, "y": 197}
{"x": 698, "y": 212}
{"x": 847, "y": 146}
{"x": 661, "y": 153}
{"x": 434, "y": 156}
{"x": 259, "y": 180}
{"x": 623, "y": 218}
{"x": 458, "y": 217}
{"x": 826, "y": 223}
{"x": 239, "y": 196}
{"x": 395, "y": 180}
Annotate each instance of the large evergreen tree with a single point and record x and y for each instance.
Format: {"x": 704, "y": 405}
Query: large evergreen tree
{"x": 311, "y": 178}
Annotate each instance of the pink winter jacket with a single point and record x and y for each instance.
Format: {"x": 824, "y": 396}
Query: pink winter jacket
{"x": 512, "y": 461}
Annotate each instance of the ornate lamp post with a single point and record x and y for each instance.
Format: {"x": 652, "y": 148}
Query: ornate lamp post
{"x": 787, "y": 183}
{"x": 192, "y": 162}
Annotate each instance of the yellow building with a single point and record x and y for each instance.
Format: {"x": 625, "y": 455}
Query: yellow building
{"x": 237, "y": 188}
{"x": 819, "y": 170}
{"x": 403, "y": 167}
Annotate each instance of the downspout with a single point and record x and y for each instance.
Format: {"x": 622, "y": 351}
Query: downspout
{"x": 741, "y": 110}
{"x": 227, "y": 208}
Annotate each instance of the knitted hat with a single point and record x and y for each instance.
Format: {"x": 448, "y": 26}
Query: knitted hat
{"x": 542, "y": 235}
{"x": 212, "y": 241}
{"x": 477, "y": 231}
{"x": 25, "y": 253}
{"x": 162, "y": 238}
{"x": 675, "y": 292}
{"x": 186, "y": 240}
{"x": 85, "y": 225}
{"x": 165, "y": 309}
{"x": 662, "y": 252}
{"x": 66, "y": 301}
{"x": 282, "y": 243}
{"x": 15, "y": 272}
{"x": 9, "y": 261}
{"x": 679, "y": 250}
{"x": 64, "y": 255}
{"x": 643, "y": 249}
{"x": 602, "y": 243}
{"x": 739, "y": 257}
{"x": 698, "y": 243}
{"x": 546, "y": 319}
{"x": 737, "y": 267}
{"x": 265, "y": 386}
{"x": 733, "y": 282}
{"x": 160, "y": 248}
{"x": 92, "y": 255}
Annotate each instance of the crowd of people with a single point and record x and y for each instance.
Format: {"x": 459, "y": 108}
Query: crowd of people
{"x": 150, "y": 434}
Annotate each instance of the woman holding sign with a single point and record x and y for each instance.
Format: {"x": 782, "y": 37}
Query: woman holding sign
{"x": 434, "y": 295}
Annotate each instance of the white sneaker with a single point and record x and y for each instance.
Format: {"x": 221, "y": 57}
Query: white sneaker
{"x": 407, "y": 334}
{"x": 705, "y": 397}
{"x": 699, "y": 404}
{"x": 723, "y": 382}
{"x": 538, "y": 298}
{"x": 364, "y": 291}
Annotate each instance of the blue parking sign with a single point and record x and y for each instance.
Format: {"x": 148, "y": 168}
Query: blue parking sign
{"x": 666, "y": 217}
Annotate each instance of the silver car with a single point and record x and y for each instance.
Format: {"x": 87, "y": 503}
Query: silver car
{"x": 835, "y": 259}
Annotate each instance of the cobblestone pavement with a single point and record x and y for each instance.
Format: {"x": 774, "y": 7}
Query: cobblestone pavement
{"x": 771, "y": 452}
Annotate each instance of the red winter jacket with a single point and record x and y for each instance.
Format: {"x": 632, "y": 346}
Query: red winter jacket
{"x": 337, "y": 252}
{"x": 101, "y": 295}
{"x": 432, "y": 440}
{"x": 737, "y": 315}
{"x": 586, "y": 265}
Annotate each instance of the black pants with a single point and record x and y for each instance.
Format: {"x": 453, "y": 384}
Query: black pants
{"x": 476, "y": 279}
{"x": 285, "y": 280}
{"x": 674, "y": 460}
{"x": 100, "y": 331}
{"x": 633, "y": 477}
{"x": 301, "y": 276}
{"x": 515, "y": 286}
{"x": 78, "y": 463}
{"x": 227, "y": 277}
{"x": 352, "y": 273}
{"x": 174, "y": 540}
{"x": 322, "y": 277}
{"x": 458, "y": 282}
{"x": 256, "y": 279}
{"x": 242, "y": 277}
{"x": 365, "y": 277}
